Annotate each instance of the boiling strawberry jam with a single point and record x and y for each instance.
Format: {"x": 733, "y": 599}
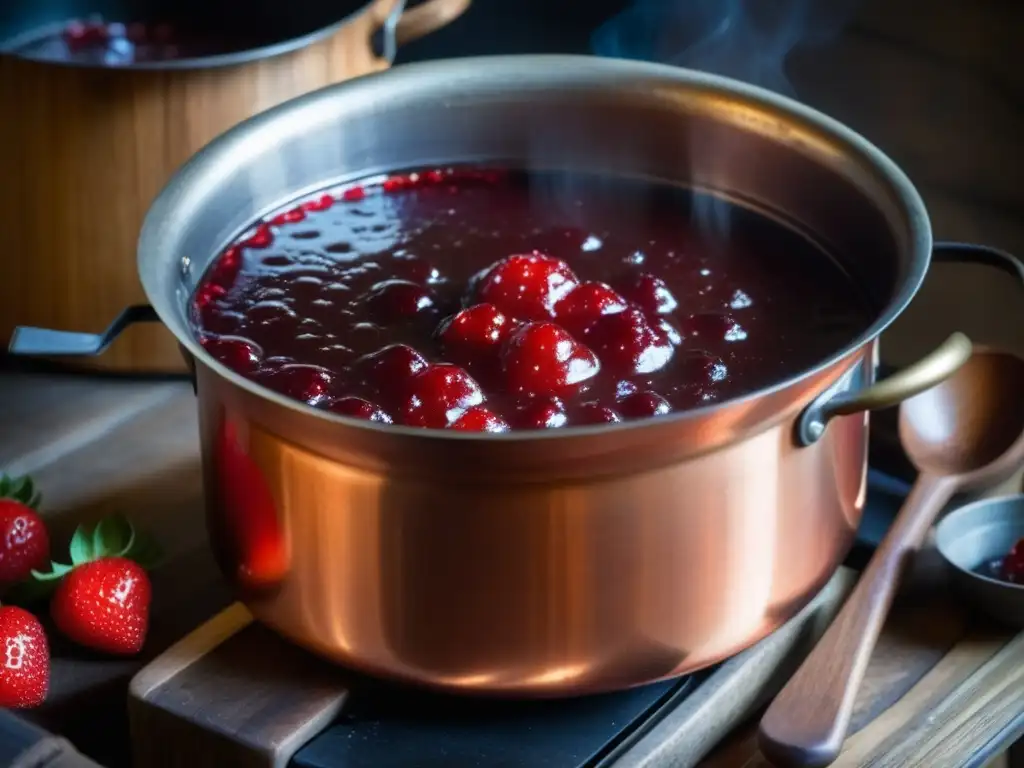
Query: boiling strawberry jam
{"x": 489, "y": 300}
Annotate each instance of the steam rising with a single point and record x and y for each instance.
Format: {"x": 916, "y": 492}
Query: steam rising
{"x": 748, "y": 40}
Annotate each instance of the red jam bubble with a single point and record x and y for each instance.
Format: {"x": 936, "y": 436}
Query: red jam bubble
{"x": 478, "y": 300}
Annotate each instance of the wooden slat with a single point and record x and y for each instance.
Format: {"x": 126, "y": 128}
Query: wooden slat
{"x": 215, "y": 696}
{"x": 44, "y": 417}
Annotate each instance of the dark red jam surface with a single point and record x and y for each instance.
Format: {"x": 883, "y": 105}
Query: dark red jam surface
{"x": 111, "y": 43}
{"x": 485, "y": 301}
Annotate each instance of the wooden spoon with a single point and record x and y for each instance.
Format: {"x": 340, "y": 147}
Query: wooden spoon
{"x": 966, "y": 433}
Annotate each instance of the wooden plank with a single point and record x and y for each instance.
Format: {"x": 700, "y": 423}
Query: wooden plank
{"x": 219, "y": 700}
{"x": 216, "y": 698}
{"x": 953, "y": 712}
{"x": 43, "y": 417}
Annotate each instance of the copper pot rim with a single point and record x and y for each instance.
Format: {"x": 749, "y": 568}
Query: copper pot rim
{"x": 214, "y": 61}
{"x": 552, "y": 71}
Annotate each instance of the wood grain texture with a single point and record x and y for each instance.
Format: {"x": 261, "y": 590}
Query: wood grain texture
{"x": 967, "y": 432}
{"x": 215, "y": 697}
{"x": 948, "y": 714}
{"x": 95, "y": 146}
{"x": 220, "y": 700}
{"x": 931, "y": 646}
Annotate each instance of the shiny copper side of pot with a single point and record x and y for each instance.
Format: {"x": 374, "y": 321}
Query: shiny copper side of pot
{"x": 565, "y": 561}
{"x": 530, "y": 588}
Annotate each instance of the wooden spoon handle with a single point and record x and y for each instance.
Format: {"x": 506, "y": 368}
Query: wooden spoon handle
{"x": 807, "y": 723}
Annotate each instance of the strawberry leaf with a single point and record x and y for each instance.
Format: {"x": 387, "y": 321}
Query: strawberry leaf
{"x": 21, "y": 489}
{"x": 112, "y": 537}
{"x": 144, "y": 551}
{"x": 56, "y": 573}
{"x": 82, "y": 548}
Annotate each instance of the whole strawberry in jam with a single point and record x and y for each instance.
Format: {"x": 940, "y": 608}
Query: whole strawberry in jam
{"x": 238, "y": 354}
{"x": 358, "y": 408}
{"x": 585, "y": 303}
{"x": 536, "y": 300}
{"x": 475, "y": 333}
{"x": 389, "y": 372}
{"x": 541, "y": 413}
{"x": 1013, "y": 564}
{"x": 439, "y": 395}
{"x": 479, "y": 419}
{"x": 543, "y": 359}
{"x": 393, "y": 301}
{"x": 627, "y": 344}
{"x": 309, "y": 384}
{"x": 526, "y": 287}
{"x": 641, "y": 405}
{"x": 24, "y": 659}
{"x": 650, "y": 293}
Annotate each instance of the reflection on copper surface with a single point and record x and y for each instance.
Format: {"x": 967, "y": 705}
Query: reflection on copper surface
{"x": 518, "y": 585}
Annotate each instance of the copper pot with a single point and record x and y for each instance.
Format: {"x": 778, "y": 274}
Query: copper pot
{"x": 89, "y": 147}
{"x": 562, "y": 562}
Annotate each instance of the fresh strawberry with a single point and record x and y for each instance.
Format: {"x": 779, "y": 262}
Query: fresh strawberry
{"x": 101, "y": 600}
{"x": 25, "y": 663}
{"x": 24, "y": 542}
{"x": 104, "y": 605}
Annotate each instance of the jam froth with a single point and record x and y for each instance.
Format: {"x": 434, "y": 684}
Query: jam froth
{"x": 489, "y": 300}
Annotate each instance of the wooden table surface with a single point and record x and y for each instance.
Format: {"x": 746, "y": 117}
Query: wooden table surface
{"x": 943, "y": 687}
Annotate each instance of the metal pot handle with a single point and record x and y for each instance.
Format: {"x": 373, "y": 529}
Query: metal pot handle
{"x": 27, "y": 341}
{"x": 845, "y": 397}
{"x": 402, "y": 25}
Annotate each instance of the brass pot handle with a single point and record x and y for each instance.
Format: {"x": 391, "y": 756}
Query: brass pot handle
{"x": 844, "y": 398}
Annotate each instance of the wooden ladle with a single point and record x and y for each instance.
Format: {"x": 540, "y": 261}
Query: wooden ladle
{"x": 966, "y": 433}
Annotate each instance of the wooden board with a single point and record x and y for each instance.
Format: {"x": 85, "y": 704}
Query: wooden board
{"x": 217, "y": 698}
{"x": 943, "y": 689}
{"x": 23, "y": 745}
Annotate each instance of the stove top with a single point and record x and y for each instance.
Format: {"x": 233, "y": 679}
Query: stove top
{"x": 431, "y": 731}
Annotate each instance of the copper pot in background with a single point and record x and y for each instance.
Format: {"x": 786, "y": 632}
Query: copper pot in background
{"x": 564, "y": 561}
{"x": 87, "y": 148}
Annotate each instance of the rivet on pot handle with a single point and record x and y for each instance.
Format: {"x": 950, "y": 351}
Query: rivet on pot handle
{"x": 844, "y": 397}
{"x": 27, "y": 341}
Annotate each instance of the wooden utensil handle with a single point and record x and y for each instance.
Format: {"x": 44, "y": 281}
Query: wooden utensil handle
{"x": 807, "y": 723}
